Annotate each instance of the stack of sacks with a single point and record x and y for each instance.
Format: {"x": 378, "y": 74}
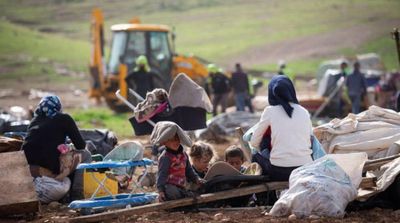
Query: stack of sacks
{"x": 373, "y": 131}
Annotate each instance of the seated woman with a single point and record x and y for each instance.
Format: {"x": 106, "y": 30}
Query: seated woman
{"x": 48, "y": 130}
{"x": 290, "y": 127}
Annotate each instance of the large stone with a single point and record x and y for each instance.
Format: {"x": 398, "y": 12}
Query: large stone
{"x": 17, "y": 192}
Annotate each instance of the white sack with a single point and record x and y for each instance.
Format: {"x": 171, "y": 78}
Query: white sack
{"x": 323, "y": 187}
{"x": 49, "y": 189}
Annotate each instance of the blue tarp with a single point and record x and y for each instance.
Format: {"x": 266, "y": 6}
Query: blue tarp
{"x": 114, "y": 164}
{"x": 120, "y": 200}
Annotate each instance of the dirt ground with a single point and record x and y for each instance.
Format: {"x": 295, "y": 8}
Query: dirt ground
{"x": 317, "y": 46}
{"x": 56, "y": 212}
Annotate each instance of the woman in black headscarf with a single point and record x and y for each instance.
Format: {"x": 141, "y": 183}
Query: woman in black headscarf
{"x": 290, "y": 127}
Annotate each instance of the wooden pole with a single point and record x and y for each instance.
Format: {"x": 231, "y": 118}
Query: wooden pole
{"x": 244, "y": 145}
{"x": 375, "y": 164}
{"x": 204, "y": 198}
{"x": 396, "y": 37}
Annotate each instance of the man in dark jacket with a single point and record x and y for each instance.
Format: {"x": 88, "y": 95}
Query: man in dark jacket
{"x": 338, "y": 98}
{"x": 241, "y": 88}
{"x": 357, "y": 87}
{"x": 220, "y": 85}
{"x": 141, "y": 79}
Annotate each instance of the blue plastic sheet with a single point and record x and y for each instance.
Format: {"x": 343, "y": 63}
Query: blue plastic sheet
{"x": 120, "y": 200}
{"x": 114, "y": 164}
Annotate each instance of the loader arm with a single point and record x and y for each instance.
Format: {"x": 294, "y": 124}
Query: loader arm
{"x": 191, "y": 66}
{"x": 97, "y": 54}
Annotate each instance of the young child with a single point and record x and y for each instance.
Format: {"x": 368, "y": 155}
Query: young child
{"x": 174, "y": 168}
{"x": 235, "y": 157}
{"x": 201, "y": 154}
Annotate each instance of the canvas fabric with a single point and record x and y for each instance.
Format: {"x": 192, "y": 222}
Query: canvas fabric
{"x": 373, "y": 131}
{"x": 166, "y": 130}
{"x": 185, "y": 92}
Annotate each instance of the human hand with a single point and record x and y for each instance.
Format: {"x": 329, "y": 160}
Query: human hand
{"x": 200, "y": 182}
{"x": 161, "y": 196}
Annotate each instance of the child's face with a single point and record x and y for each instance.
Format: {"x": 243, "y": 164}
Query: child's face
{"x": 173, "y": 143}
{"x": 235, "y": 162}
{"x": 201, "y": 164}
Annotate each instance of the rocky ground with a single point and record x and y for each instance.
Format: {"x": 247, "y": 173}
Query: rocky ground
{"x": 56, "y": 212}
{"x": 60, "y": 213}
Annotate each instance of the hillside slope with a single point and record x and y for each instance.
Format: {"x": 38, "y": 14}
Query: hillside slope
{"x": 254, "y": 32}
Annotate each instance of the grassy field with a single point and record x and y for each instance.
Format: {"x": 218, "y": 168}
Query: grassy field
{"x": 34, "y": 57}
{"x": 103, "y": 118}
{"x": 216, "y": 30}
{"x": 40, "y": 37}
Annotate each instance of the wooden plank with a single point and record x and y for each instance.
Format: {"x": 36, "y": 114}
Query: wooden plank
{"x": 366, "y": 193}
{"x": 244, "y": 145}
{"x": 375, "y": 164}
{"x": 17, "y": 192}
{"x": 204, "y": 198}
{"x": 368, "y": 182}
{"x": 261, "y": 208}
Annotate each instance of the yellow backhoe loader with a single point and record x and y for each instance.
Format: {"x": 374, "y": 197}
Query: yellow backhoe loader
{"x": 129, "y": 41}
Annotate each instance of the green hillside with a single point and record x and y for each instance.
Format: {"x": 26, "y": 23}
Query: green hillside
{"x": 220, "y": 31}
{"x": 29, "y": 54}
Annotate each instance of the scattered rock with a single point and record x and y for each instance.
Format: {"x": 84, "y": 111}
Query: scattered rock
{"x": 43, "y": 60}
{"x": 396, "y": 213}
{"x": 4, "y": 93}
{"x": 292, "y": 217}
{"x": 314, "y": 217}
{"x": 204, "y": 215}
{"x": 218, "y": 216}
{"x": 54, "y": 205}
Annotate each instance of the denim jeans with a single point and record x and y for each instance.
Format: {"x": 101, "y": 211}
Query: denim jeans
{"x": 355, "y": 103}
{"x": 240, "y": 100}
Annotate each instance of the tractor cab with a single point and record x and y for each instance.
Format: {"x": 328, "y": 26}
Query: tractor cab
{"x": 129, "y": 41}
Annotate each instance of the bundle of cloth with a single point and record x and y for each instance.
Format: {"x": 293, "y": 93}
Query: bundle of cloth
{"x": 186, "y": 104}
{"x": 373, "y": 131}
{"x": 156, "y": 101}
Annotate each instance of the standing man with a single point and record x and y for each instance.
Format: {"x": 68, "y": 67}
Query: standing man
{"x": 284, "y": 70}
{"x": 220, "y": 86}
{"x": 357, "y": 87}
{"x": 241, "y": 88}
{"x": 339, "y": 95}
{"x": 141, "y": 79}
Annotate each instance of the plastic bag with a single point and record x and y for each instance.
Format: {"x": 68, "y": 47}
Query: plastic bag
{"x": 49, "y": 189}
{"x": 321, "y": 188}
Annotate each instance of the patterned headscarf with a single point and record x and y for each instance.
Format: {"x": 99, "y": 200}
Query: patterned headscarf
{"x": 49, "y": 106}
